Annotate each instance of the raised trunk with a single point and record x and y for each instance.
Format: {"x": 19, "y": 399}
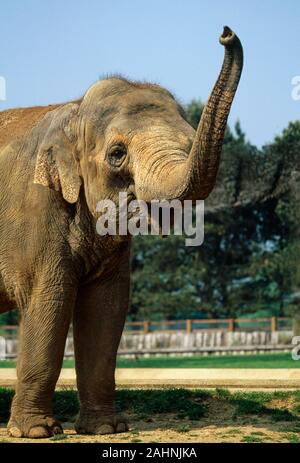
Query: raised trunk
{"x": 199, "y": 173}
{"x": 205, "y": 154}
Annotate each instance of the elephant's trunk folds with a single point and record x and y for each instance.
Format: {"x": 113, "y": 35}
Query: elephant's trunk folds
{"x": 200, "y": 171}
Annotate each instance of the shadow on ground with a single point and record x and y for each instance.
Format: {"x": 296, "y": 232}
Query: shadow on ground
{"x": 182, "y": 415}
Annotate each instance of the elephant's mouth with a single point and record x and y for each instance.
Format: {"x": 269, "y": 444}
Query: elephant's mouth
{"x": 151, "y": 217}
{"x": 161, "y": 218}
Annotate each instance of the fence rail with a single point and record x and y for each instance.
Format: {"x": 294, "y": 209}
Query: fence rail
{"x": 191, "y": 325}
{"x": 226, "y": 325}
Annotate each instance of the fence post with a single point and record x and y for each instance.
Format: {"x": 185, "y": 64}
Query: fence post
{"x": 273, "y": 324}
{"x": 231, "y": 325}
{"x": 146, "y": 326}
{"x": 188, "y": 326}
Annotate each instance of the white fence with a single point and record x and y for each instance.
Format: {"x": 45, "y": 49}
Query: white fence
{"x": 181, "y": 343}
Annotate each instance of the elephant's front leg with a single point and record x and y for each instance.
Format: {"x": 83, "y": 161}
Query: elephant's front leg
{"x": 44, "y": 327}
{"x": 98, "y": 323}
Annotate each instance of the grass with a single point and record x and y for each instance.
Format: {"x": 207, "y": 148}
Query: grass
{"x": 151, "y": 402}
{"x": 292, "y": 438}
{"x": 232, "y": 432}
{"x": 295, "y": 427}
{"x": 252, "y": 440}
{"x": 58, "y": 437}
{"x": 183, "y": 428}
{"x": 258, "y": 404}
{"x": 280, "y": 360}
{"x": 184, "y": 410}
{"x": 193, "y": 405}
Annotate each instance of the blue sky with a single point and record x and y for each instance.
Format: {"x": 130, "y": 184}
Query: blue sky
{"x": 52, "y": 51}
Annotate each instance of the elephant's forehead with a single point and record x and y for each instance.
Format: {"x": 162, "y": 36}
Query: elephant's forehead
{"x": 101, "y": 89}
{"x": 129, "y": 95}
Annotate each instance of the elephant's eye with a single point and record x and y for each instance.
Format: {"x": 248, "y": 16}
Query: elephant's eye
{"x": 116, "y": 155}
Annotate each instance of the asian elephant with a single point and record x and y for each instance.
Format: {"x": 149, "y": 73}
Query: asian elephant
{"x": 56, "y": 163}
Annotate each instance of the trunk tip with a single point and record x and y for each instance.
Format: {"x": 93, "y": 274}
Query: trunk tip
{"x": 226, "y": 32}
{"x": 227, "y": 36}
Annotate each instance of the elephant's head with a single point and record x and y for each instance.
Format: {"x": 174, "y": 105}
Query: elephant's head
{"x": 134, "y": 137}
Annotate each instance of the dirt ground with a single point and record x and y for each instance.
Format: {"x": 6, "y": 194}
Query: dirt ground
{"x": 167, "y": 428}
{"x": 216, "y": 416}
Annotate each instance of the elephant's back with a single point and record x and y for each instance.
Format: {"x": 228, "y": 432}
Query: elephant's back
{"x": 15, "y": 123}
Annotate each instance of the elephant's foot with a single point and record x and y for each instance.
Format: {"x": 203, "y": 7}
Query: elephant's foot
{"x": 34, "y": 427}
{"x": 94, "y": 422}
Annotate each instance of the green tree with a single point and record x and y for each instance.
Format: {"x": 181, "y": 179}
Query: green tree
{"x": 248, "y": 261}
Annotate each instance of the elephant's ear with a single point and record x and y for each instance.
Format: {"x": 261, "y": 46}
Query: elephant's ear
{"x": 56, "y": 166}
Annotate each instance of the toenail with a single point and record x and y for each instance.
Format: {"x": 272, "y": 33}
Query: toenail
{"x": 14, "y": 432}
{"x": 38, "y": 432}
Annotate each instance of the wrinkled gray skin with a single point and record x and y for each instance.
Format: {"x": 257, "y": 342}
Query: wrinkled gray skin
{"x": 56, "y": 165}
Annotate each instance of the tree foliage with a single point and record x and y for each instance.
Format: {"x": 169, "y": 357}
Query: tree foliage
{"x": 247, "y": 264}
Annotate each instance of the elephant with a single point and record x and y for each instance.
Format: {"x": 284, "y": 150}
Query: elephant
{"x": 56, "y": 163}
